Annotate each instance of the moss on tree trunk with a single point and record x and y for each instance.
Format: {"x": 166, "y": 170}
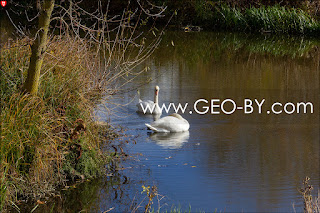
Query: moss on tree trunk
{"x": 38, "y": 48}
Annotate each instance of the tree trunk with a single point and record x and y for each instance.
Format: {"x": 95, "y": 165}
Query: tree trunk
{"x": 38, "y": 48}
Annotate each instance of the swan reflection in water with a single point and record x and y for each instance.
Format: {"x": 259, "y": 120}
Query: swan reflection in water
{"x": 170, "y": 140}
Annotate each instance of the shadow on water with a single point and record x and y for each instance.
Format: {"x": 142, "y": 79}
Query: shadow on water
{"x": 114, "y": 192}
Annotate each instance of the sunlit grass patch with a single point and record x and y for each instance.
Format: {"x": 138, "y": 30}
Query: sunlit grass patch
{"x": 52, "y": 137}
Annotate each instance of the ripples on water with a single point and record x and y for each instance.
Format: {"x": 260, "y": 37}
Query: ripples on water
{"x": 232, "y": 162}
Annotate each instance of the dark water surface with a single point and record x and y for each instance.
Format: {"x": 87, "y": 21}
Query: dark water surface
{"x": 239, "y": 162}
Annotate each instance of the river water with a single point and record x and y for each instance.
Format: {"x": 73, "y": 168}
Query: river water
{"x": 226, "y": 162}
{"x": 236, "y": 162}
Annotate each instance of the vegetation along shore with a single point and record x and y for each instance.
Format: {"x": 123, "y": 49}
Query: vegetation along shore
{"x": 51, "y": 80}
{"x": 58, "y": 66}
{"x": 289, "y": 17}
{"x": 293, "y": 17}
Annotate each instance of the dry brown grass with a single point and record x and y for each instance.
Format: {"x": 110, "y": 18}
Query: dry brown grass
{"x": 53, "y": 137}
{"x": 311, "y": 204}
{"x": 39, "y": 134}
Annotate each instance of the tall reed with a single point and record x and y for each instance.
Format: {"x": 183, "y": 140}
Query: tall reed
{"x": 270, "y": 19}
{"x": 41, "y": 146}
{"x": 53, "y": 137}
{"x": 311, "y": 204}
{"x": 280, "y": 19}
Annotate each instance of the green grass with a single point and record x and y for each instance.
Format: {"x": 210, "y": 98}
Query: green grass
{"x": 273, "y": 19}
{"x": 280, "y": 19}
{"x": 3, "y": 187}
{"x": 40, "y": 146}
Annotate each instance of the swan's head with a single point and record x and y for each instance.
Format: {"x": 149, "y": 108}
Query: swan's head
{"x": 156, "y": 90}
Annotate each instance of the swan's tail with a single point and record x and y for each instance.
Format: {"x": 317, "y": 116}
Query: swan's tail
{"x": 151, "y": 127}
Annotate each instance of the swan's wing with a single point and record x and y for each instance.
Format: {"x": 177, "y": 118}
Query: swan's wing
{"x": 151, "y": 127}
{"x": 156, "y": 129}
{"x": 143, "y": 105}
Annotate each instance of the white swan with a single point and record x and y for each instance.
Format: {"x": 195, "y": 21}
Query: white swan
{"x": 150, "y": 107}
{"x": 154, "y": 117}
{"x": 171, "y": 123}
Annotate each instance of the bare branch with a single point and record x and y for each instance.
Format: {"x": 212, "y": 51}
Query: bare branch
{"x": 147, "y": 12}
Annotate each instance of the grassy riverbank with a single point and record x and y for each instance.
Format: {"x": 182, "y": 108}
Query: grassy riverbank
{"x": 52, "y": 137}
{"x": 290, "y": 17}
{"x": 267, "y": 19}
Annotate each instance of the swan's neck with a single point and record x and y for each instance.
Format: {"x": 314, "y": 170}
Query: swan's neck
{"x": 156, "y": 99}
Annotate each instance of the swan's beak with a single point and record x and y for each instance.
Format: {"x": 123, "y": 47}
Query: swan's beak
{"x": 156, "y": 92}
